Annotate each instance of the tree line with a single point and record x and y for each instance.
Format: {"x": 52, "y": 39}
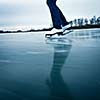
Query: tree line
{"x": 85, "y": 21}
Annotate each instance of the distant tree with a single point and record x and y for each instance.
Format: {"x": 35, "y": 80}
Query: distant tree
{"x": 75, "y": 22}
{"x": 94, "y": 19}
{"x": 80, "y": 22}
{"x": 91, "y": 21}
{"x": 98, "y": 20}
{"x": 86, "y": 21}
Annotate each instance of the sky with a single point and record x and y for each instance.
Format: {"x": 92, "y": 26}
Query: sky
{"x": 36, "y": 12}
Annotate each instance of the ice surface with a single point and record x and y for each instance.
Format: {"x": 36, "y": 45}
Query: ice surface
{"x": 33, "y": 67}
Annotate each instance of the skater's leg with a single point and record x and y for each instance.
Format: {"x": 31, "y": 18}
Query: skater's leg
{"x": 58, "y": 19}
{"x": 55, "y": 15}
{"x": 63, "y": 19}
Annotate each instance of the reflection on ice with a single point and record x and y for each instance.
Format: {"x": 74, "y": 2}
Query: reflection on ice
{"x": 85, "y": 34}
{"x": 32, "y": 52}
{"x": 58, "y": 41}
{"x": 5, "y": 61}
{"x": 58, "y": 88}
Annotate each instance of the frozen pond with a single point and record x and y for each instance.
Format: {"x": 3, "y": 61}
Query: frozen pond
{"x": 35, "y": 68}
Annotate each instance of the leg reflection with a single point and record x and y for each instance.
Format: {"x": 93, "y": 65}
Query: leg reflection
{"x": 57, "y": 86}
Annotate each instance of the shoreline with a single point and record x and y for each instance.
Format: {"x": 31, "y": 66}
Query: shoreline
{"x": 88, "y": 26}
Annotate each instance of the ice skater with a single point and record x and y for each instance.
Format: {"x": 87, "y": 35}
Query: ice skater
{"x": 60, "y": 24}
